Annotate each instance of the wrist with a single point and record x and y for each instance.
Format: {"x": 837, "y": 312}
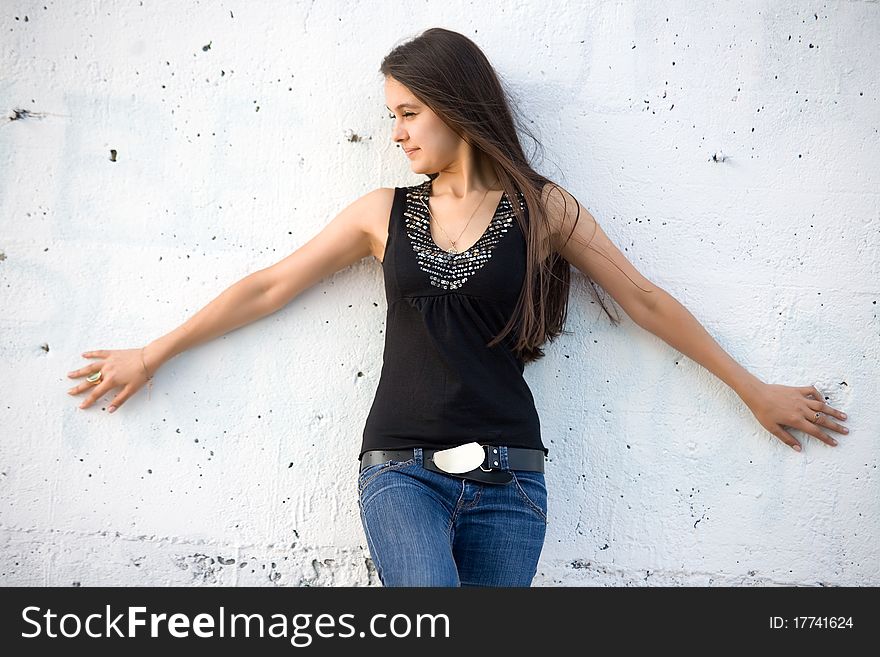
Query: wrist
{"x": 747, "y": 387}
{"x": 155, "y": 354}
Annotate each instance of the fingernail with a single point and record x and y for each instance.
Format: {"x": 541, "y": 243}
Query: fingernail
{"x": 112, "y": 408}
{"x": 833, "y": 442}
{"x": 843, "y": 415}
{"x": 845, "y": 430}
{"x": 797, "y": 447}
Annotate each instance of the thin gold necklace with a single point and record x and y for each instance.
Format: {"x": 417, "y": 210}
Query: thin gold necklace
{"x": 453, "y": 249}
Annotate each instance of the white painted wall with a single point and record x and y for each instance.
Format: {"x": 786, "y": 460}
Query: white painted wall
{"x": 241, "y": 468}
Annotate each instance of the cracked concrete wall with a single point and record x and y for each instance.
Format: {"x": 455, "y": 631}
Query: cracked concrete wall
{"x": 155, "y": 153}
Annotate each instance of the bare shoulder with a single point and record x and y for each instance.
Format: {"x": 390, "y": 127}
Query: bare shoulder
{"x": 377, "y": 213}
{"x": 355, "y": 233}
{"x": 579, "y": 239}
{"x": 369, "y": 214}
{"x": 563, "y": 213}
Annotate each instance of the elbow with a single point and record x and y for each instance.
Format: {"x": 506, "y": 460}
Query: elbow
{"x": 266, "y": 289}
{"x": 647, "y": 305}
{"x": 651, "y": 298}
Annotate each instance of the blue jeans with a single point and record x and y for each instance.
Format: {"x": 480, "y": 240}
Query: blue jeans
{"x": 427, "y": 528}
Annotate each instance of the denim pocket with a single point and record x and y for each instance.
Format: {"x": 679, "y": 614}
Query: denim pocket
{"x": 533, "y": 489}
{"x": 371, "y": 471}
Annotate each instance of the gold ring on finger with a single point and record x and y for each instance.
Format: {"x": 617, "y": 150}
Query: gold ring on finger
{"x": 95, "y": 378}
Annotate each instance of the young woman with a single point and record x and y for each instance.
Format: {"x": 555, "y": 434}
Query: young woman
{"x": 476, "y": 263}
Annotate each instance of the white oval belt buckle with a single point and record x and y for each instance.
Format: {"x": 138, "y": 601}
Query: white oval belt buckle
{"x": 463, "y": 458}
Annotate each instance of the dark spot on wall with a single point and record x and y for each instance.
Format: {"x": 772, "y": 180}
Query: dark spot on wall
{"x": 112, "y": 154}
{"x": 208, "y": 47}
{"x": 18, "y": 113}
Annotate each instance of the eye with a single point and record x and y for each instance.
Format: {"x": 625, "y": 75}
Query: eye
{"x": 391, "y": 116}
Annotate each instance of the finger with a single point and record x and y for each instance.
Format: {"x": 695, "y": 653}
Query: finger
{"x": 811, "y": 390}
{"x": 120, "y": 399}
{"x": 787, "y": 438}
{"x": 84, "y": 371}
{"x": 829, "y": 424}
{"x": 97, "y": 393}
{"x": 822, "y": 407}
{"x": 80, "y": 387}
{"x": 825, "y": 416}
{"x": 813, "y": 429}
{"x": 97, "y": 353}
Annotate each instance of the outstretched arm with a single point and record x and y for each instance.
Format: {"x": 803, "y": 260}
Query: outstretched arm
{"x": 658, "y": 312}
{"x": 345, "y": 240}
{"x": 772, "y": 405}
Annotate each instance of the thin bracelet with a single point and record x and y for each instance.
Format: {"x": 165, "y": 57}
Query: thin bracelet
{"x": 149, "y": 378}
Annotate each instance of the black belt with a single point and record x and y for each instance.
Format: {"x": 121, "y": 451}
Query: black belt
{"x": 489, "y": 471}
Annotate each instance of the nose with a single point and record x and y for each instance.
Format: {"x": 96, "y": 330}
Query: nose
{"x": 397, "y": 134}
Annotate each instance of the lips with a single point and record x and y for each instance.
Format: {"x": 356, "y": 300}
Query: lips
{"x": 410, "y": 150}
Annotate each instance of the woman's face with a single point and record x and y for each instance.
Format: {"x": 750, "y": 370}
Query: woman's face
{"x": 416, "y": 126}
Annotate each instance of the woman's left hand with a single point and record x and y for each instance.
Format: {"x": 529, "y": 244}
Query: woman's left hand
{"x": 777, "y": 405}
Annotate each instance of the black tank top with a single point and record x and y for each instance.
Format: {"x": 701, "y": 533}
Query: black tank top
{"x": 440, "y": 386}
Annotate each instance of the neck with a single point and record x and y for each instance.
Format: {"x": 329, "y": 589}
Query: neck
{"x": 464, "y": 176}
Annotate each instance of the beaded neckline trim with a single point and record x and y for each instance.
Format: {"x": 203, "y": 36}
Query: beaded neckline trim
{"x": 449, "y": 271}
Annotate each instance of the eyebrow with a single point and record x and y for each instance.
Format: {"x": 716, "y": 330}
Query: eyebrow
{"x": 401, "y": 105}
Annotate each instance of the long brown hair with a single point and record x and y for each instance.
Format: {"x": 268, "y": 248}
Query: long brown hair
{"x": 451, "y": 75}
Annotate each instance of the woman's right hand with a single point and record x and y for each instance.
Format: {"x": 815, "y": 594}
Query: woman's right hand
{"x": 119, "y": 367}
